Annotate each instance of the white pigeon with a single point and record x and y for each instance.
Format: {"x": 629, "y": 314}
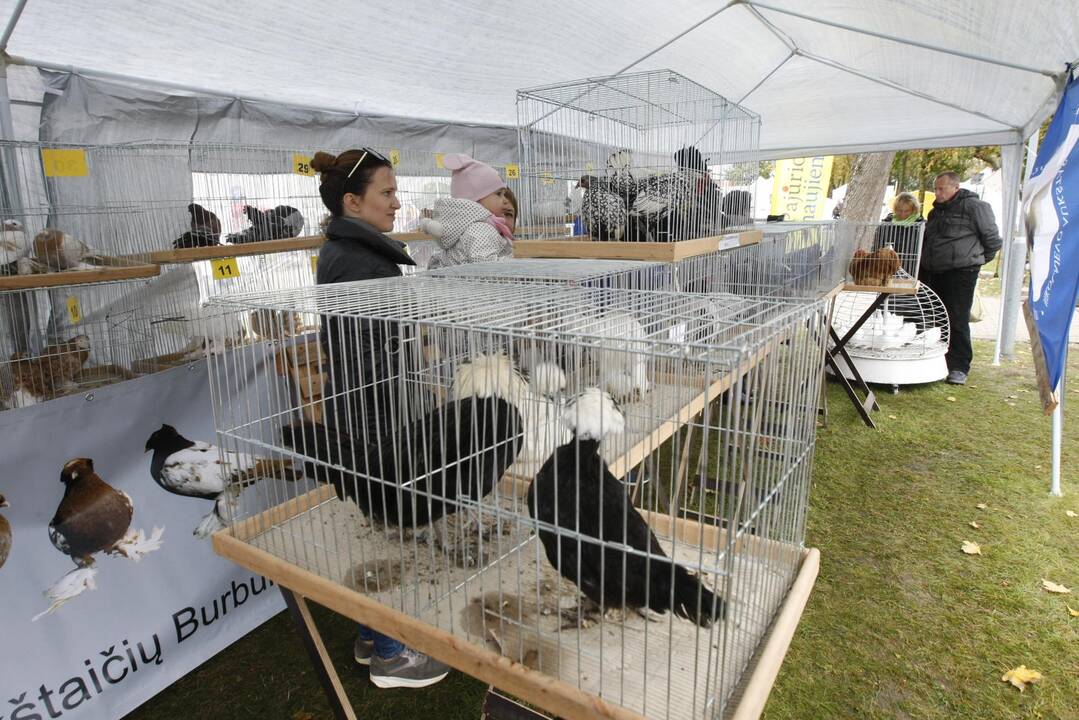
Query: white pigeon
{"x": 14, "y": 245}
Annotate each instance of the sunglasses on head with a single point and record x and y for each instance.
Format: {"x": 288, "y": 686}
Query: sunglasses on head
{"x": 366, "y": 151}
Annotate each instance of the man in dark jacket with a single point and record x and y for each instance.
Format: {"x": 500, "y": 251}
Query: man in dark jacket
{"x": 960, "y": 236}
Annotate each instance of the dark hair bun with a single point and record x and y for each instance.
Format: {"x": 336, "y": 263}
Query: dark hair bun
{"x": 323, "y": 161}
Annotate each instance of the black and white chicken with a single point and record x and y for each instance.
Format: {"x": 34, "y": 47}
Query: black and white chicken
{"x": 92, "y": 517}
{"x": 586, "y": 521}
{"x": 201, "y": 470}
{"x": 205, "y": 229}
{"x": 602, "y": 210}
{"x": 416, "y": 473}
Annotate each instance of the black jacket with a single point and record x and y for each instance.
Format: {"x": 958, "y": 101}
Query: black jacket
{"x": 360, "y": 354}
{"x": 960, "y": 233}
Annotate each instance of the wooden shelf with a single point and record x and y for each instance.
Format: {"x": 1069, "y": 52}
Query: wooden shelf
{"x": 903, "y": 286}
{"x": 108, "y": 269}
{"x": 266, "y": 247}
{"x": 586, "y": 248}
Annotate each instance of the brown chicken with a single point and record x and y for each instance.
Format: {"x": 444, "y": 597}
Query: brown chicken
{"x": 874, "y": 268}
{"x": 50, "y": 374}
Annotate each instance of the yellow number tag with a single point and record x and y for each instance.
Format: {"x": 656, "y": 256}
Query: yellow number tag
{"x": 225, "y": 268}
{"x": 547, "y": 178}
{"x": 64, "y": 163}
{"x": 314, "y": 263}
{"x": 301, "y": 165}
{"x": 589, "y": 167}
{"x": 395, "y": 157}
{"x": 513, "y": 172}
{"x": 74, "y": 310}
{"x": 440, "y": 161}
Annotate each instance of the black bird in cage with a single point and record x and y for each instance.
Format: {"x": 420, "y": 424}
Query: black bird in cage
{"x": 576, "y": 493}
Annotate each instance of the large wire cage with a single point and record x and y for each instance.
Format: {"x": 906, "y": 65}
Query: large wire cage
{"x": 902, "y": 343}
{"x": 437, "y": 477}
{"x": 800, "y": 262}
{"x": 652, "y": 156}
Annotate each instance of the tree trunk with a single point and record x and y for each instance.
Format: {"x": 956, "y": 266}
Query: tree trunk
{"x": 868, "y": 180}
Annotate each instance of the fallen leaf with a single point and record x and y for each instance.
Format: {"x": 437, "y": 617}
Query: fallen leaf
{"x": 1073, "y": 613}
{"x": 1005, "y": 583}
{"x": 972, "y": 548}
{"x": 892, "y": 417}
{"x": 982, "y": 506}
{"x": 1013, "y": 397}
{"x": 1052, "y": 587}
{"x": 1021, "y": 676}
{"x": 1037, "y": 467}
{"x": 975, "y": 525}
{"x": 950, "y": 398}
{"x": 1070, "y": 513}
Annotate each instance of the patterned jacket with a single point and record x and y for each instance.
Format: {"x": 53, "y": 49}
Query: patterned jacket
{"x": 464, "y": 235}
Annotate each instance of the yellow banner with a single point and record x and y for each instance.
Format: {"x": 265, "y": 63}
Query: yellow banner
{"x": 801, "y": 187}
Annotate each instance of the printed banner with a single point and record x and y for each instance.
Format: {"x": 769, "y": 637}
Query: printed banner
{"x": 1053, "y": 233}
{"x": 137, "y": 600}
{"x": 801, "y": 188}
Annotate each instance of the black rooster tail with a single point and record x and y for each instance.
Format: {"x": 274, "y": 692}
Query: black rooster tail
{"x": 687, "y": 590}
{"x": 317, "y": 442}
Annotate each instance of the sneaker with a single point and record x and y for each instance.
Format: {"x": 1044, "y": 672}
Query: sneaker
{"x": 956, "y": 377}
{"x": 407, "y": 669}
{"x": 362, "y": 650}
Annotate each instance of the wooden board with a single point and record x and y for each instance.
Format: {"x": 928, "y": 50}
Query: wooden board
{"x": 433, "y": 630}
{"x": 266, "y": 247}
{"x": 898, "y": 287}
{"x": 109, "y": 269}
{"x": 586, "y": 248}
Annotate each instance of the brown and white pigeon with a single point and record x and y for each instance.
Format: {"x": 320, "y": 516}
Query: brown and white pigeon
{"x": 5, "y": 533}
{"x": 93, "y": 517}
{"x": 200, "y": 470}
{"x": 58, "y": 251}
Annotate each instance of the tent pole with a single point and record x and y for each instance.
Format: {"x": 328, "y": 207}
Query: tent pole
{"x": 1058, "y": 428}
{"x": 11, "y": 23}
{"x": 902, "y": 41}
{"x": 1014, "y": 258}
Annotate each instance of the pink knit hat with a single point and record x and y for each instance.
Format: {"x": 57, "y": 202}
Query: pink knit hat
{"x": 471, "y": 179}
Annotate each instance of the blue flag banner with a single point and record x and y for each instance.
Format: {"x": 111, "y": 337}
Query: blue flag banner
{"x": 1051, "y": 210}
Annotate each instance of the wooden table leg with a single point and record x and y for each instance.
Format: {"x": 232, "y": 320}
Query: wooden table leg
{"x": 320, "y": 659}
{"x": 497, "y": 706}
{"x": 839, "y": 347}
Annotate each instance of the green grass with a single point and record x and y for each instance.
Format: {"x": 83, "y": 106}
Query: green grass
{"x": 990, "y": 286}
{"x": 900, "y": 624}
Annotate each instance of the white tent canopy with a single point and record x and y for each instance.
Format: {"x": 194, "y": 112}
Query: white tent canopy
{"x": 853, "y": 76}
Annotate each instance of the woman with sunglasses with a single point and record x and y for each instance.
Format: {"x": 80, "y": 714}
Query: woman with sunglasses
{"x": 359, "y": 189}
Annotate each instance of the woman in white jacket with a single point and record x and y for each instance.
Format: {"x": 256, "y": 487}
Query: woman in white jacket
{"x": 470, "y": 226}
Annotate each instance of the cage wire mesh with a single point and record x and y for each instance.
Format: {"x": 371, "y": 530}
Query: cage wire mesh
{"x": 906, "y": 327}
{"x": 483, "y": 501}
{"x": 637, "y": 157}
{"x": 884, "y": 254}
{"x": 807, "y": 261}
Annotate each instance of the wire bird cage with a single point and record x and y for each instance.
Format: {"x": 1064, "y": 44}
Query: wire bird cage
{"x": 427, "y": 502}
{"x": 639, "y": 157}
{"x": 806, "y": 261}
{"x": 884, "y": 254}
{"x": 902, "y": 343}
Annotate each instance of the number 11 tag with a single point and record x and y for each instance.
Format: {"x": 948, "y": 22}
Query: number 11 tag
{"x": 225, "y": 268}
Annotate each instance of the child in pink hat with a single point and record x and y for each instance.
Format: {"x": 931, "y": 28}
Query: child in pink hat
{"x": 470, "y": 226}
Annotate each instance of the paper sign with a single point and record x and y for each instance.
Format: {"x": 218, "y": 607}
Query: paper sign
{"x": 395, "y": 157}
{"x": 74, "y": 310}
{"x": 314, "y": 263}
{"x": 225, "y": 268}
{"x": 513, "y": 172}
{"x": 64, "y": 163}
{"x": 301, "y": 165}
{"x": 440, "y": 161}
{"x": 730, "y": 241}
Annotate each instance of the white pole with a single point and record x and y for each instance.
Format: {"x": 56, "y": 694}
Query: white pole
{"x": 1014, "y": 259}
{"x": 1058, "y": 428}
